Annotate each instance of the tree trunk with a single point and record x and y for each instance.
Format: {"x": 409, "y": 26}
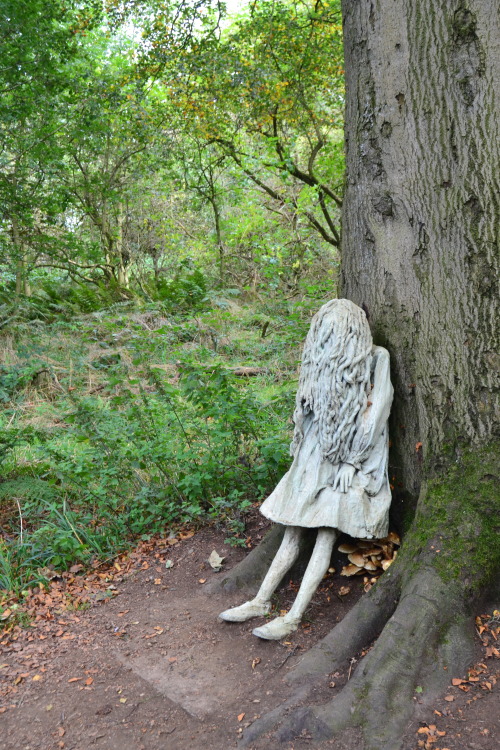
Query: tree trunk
{"x": 421, "y": 222}
{"x": 22, "y": 281}
{"x": 122, "y": 271}
{"x": 422, "y": 216}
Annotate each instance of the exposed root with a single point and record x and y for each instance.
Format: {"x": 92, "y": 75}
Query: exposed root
{"x": 359, "y": 627}
{"x": 422, "y": 644}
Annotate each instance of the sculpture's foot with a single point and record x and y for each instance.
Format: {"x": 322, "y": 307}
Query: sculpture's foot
{"x": 277, "y": 628}
{"x": 245, "y": 611}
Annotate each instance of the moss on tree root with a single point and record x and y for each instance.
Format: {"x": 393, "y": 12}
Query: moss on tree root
{"x": 457, "y": 523}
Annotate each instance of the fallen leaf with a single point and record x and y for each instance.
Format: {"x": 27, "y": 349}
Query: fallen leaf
{"x": 5, "y": 614}
{"x": 215, "y": 561}
{"x": 255, "y": 662}
{"x": 37, "y": 678}
{"x": 185, "y": 534}
{"x": 202, "y": 580}
{"x": 169, "y": 563}
{"x": 61, "y": 731}
{"x": 172, "y": 659}
{"x": 49, "y": 707}
{"x": 449, "y": 698}
{"x": 123, "y": 700}
{"x": 241, "y": 717}
{"x": 343, "y": 590}
{"x": 423, "y": 730}
{"x": 157, "y": 581}
{"x": 75, "y": 679}
{"x": 89, "y": 681}
{"x": 457, "y": 681}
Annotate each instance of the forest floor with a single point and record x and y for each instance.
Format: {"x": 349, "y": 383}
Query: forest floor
{"x": 147, "y": 665}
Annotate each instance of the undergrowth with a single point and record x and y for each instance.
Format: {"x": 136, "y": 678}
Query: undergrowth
{"x": 121, "y": 422}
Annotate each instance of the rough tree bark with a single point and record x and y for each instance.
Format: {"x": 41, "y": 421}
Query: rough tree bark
{"x": 421, "y": 227}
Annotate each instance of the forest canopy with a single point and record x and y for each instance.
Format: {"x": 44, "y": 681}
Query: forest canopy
{"x": 119, "y": 124}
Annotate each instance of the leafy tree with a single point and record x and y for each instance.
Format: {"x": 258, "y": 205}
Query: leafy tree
{"x": 35, "y": 43}
{"x": 268, "y": 92}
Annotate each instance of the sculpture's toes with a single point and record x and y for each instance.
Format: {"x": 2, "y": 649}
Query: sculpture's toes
{"x": 245, "y": 611}
{"x": 277, "y": 629}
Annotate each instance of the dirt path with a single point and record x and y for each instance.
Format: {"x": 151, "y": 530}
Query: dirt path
{"x": 153, "y": 668}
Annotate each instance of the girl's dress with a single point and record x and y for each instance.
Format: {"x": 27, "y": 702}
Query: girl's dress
{"x": 305, "y": 495}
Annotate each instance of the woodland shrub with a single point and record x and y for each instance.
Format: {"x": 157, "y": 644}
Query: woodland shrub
{"x": 153, "y": 456}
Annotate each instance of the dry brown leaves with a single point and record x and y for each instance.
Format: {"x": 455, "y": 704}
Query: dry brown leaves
{"x": 480, "y": 679}
{"x": 50, "y": 612}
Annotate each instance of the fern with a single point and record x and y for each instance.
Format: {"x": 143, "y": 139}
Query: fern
{"x": 30, "y": 488}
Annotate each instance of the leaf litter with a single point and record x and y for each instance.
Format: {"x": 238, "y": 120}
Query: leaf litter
{"x": 53, "y": 616}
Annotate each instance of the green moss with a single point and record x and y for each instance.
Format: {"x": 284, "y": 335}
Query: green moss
{"x": 457, "y": 523}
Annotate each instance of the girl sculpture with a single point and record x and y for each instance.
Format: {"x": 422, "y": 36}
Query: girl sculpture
{"x": 338, "y": 479}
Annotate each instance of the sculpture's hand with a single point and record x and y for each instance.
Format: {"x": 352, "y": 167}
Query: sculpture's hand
{"x": 344, "y": 477}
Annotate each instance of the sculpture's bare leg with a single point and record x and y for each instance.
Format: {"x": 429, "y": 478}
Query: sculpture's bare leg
{"x": 283, "y": 561}
{"x": 318, "y": 565}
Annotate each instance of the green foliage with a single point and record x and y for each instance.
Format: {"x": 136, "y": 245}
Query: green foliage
{"x": 187, "y": 290}
{"x": 14, "y": 378}
{"x": 169, "y": 193}
{"x": 88, "y": 473}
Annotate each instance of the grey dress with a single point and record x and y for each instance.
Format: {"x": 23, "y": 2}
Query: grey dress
{"x": 305, "y": 495}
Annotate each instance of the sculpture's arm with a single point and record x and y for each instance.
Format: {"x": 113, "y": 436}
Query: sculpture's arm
{"x": 375, "y": 418}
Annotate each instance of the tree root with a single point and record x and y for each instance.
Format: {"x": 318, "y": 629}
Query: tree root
{"x": 426, "y": 639}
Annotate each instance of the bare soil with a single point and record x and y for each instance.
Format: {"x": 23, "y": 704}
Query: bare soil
{"x": 152, "y": 667}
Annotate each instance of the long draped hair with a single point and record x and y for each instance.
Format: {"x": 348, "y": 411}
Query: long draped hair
{"x": 334, "y": 378}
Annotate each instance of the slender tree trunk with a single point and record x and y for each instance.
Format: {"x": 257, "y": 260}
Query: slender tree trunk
{"x": 22, "y": 281}
{"x": 121, "y": 261}
{"x": 421, "y": 225}
{"x": 218, "y": 236}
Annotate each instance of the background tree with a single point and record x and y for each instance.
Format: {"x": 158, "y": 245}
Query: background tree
{"x": 421, "y": 222}
{"x": 35, "y": 46}
{"x": 269, "y": 93}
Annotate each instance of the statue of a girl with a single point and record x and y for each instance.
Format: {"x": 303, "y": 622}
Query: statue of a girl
{"x": 338, "y": 479}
